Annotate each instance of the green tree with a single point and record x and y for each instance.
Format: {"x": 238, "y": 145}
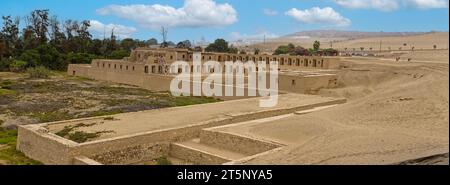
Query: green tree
{"x": 219, "y": 45}
{"x": 152, "y": 42}
{"x": 39, "y": 21}
{"x": 184, "y": 44}
{"x": 316, "y": 45}
{"x": 284, "y": 49}
{"x": 9, "y": 36}
{"x": 256, "y": 51}
{"x": 300, "y": 51}
{"x": 128, "y": 44}
{"x": 79, "y": 58}
{"x": 119, "y": 54}
{"x": 30, "y": 56}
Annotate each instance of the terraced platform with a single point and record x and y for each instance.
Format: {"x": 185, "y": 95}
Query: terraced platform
{"x": 180, "y": 133}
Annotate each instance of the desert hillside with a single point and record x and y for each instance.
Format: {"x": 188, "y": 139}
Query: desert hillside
{"x": 342, "y": 41}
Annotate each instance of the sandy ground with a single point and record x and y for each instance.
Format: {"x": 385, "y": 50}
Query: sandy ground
{"x": 424, "y": 41}
{"x": 396, "y": 111}
{"x": 138, "y": 122}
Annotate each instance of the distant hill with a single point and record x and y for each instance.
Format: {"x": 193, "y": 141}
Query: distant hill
{"x": 348, "y": 34}
{"x": 357, "y": 39}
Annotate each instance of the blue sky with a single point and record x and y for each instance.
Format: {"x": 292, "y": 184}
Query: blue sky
{"x": 240, "y": 19}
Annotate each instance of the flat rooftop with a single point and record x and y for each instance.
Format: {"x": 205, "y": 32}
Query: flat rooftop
{"x": 166, "y": 118}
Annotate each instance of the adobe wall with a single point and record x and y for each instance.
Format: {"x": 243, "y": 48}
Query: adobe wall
{"x": 38, "y": 143}
{"x": 79, "y": 70}
{"x": 133, "y": 74}
{"x": 194, "y": 155}
{"x": 236, "y": 143}
{"x": 306, "y": 84}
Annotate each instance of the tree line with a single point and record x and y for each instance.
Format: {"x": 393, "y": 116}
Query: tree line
{"x": 291, "y": 49}
{"x": 48, "y": 42}
{"x": 45, "y": 41}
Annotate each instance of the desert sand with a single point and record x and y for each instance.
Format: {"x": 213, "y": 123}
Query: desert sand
{"x": 396, "y": 111}
{"x": 419, "y": 42}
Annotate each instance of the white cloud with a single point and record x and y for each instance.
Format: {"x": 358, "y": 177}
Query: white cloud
{"x": 119, "y": 30}
{"x": 318, "y": 15}
{"x": 270, "y": 12}
{"x": 194, "y": 13}
{"x": 391, "y": 5}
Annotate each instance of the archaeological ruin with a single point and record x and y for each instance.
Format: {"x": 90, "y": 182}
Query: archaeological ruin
{"x": 182, "y": 134}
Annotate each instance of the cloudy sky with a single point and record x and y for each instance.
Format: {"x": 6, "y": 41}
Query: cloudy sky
{"x": 240, "y": 19}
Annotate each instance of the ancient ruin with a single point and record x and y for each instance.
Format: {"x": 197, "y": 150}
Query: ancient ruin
{"x": 182, "y": 134}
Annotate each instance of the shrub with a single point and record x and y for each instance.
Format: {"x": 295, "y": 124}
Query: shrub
{"x": 4, "y": 64}
{"x": 6, "y": 84}
{"x": 39, "y": 72}
{"x": 18, "y": 66}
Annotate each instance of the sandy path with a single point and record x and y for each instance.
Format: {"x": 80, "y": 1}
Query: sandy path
{"x": 395, "y": 112}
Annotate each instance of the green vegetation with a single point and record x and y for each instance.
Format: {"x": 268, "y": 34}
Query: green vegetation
{"x": 163, "y": 160}
{"x": 67, "y": 129}
{"x": 46, "y": 41}
{"x": 6, "y": 84}
{"x": 221, "y": 46}
{"x": 63, "y": 97}
{"x": 8, "y": 152}
{"x": 103, "y": 113}
{"x": 38, "y": 72}
{"x": 291, "y": 49}
{"x": 6, "y": 92}
{"x": 51, "y": 116}
{"x": 79, "y": 136}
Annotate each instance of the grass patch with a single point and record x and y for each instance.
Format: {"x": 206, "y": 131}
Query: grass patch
{"x": 39, "y": 72}
{"x": 8, "y": 137}
{"x": 15, "y": 157}
{"x": 9, "y": 154}
{"x": 163, "y": 160}
{"x": 51, "y": 116}
{"x": 79, "y": 136}
{"x": 6, "y": 92}
{"x": 69, "y": 128}
{"x": 102, "y": 113}
{"x": 6, "y": 84}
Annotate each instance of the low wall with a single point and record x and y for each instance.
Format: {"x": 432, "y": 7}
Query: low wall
{"x": 194, "y": 155}
{"x": 38, "y": 143}
{"x": 236, "y": 143}
{"x": 83, "y": 160}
